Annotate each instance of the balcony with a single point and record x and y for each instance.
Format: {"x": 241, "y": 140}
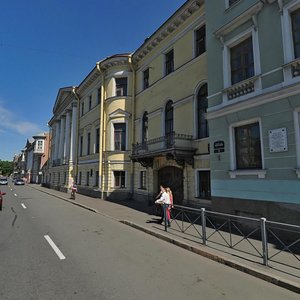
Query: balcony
{"x": 173, "y": 146}
{"x": 241, "y": 88}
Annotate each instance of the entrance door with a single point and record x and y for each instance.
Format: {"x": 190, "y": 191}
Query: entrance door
{"x": 172, "y": 177}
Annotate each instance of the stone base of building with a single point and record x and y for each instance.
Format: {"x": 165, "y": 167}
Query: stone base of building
{"x": 89, "y": 192}
{"x": 272, "y": 211}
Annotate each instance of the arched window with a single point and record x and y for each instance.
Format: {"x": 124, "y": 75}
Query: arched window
{"x": 145, "y": 128}
{"x": 169, "y": 120}
{"x": 201, "y": 112}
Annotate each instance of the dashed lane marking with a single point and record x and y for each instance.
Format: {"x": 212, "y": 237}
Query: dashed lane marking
{"x": 54, "y": 247}
{"x": 23, "y": 205}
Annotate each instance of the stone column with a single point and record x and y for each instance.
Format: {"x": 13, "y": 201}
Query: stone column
{"x": 67, "y": 137}
{"x": 56, "y": 130}
{"x": 61, "y": 138}
{"x": 73, "y": 133}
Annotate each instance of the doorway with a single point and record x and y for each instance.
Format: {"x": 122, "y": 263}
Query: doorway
{"x": 172, "y": 177}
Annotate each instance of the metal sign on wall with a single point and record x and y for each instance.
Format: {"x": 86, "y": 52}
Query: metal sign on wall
{"x": 278, "y": 140}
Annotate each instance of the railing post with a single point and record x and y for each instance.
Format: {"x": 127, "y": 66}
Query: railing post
{"x": 203, "y": 223}
{"x": 264, "y": 240}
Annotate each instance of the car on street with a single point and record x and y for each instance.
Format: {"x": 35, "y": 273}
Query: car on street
{"x": 19, "y": 182}
{"x": 3, "y": 181}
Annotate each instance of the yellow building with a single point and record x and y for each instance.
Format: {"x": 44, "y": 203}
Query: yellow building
{"x": 141, "y": 119}
{"x": 104, "y": 126}
{"x": 171, "y": 145}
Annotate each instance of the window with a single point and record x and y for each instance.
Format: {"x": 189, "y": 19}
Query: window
{"x": 248, "y": 147}
{"x": 169, "y": 62}
{"x": 81, "y": 146}
{"x": 90, "y": 102}
{"x": 146, "y": 79}
{"x": 242, "y": 61}
{"x": 169, "y": 123}
{"x": 200, "y": 41}
{"x": 97, "y": 140}
{"x": 79, "y": 178}
{"x": 87, "y": 178}
{"x": 65, "y": 177}
{"x": 88, "y": 150}
{"x": 120, "y": 136}
{"x": 143, "y": 180}
{"x": 40, "y": 145}
{"x": 201, "y": 112}
{"x": 203, "y": 184}
{"x": 97, "y": 178}
{"x": 82, "y": 108}
{"x": 99, "y": 96}
{"x": 121, "y": 86}
{"x": 145, "y": 127}
{"x": 119, "y": 177}
{"x": 295, "y": 16}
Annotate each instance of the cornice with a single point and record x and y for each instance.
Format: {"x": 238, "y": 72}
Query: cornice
{"x": 88, "y": 80}
{"x": 248, "y": 14}
{"x": 173, "y": 23}
{"x": 115, "y": 61}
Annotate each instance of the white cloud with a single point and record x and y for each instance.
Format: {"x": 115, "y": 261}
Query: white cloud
{"x": 10, "y": 121}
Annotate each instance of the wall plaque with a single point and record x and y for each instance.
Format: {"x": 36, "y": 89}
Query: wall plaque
{"x": 278, "y": 140}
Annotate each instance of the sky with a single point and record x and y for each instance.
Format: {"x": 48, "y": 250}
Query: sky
{"x": 49, "y": 44}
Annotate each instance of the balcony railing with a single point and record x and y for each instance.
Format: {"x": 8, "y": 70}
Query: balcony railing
{"x": 174, "y": 146}
{"x": 241, "y": 88}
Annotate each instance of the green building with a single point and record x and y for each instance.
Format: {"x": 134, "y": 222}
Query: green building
{"x": 253, "y": 51}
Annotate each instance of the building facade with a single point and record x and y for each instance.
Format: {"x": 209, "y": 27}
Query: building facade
{"x": 61, "y": 168}
{"x": 171, "y": 131}
{"x": 253, "y": 107}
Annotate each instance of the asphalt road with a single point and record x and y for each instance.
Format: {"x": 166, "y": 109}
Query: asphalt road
{"x": 51, "y": 249}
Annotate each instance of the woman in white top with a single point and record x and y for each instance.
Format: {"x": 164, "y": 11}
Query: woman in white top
{"x": 165, "y": 201}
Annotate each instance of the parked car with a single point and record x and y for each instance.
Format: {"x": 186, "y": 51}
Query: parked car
{"x": 19, "y": 182}
{"x": 3, "y": 181}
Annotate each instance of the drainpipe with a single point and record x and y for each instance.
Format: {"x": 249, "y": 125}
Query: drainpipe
{"x": 132, "y": 123}
{"x": 101, "y": 186}
{"x": 75, "y": 170}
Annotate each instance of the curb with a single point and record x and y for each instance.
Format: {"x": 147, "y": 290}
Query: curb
{"x": 218, "y": 258}
{"x": 289, "y": 285}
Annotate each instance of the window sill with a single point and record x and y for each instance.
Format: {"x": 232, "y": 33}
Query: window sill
{"x": 261, "y": 174}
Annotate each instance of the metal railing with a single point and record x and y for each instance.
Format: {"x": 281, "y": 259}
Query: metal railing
{"x": 267, "y": 241}
{"x": 171, "y": 140}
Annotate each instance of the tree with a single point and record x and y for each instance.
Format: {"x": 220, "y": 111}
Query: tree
{"x": 6, "y": 167}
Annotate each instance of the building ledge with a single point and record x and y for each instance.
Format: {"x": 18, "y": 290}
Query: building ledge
{"x": 261, "y": 174}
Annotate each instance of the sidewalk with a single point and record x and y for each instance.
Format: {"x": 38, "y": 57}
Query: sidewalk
{"x": 138, "y": 215}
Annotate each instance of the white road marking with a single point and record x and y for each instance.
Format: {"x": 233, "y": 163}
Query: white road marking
{"x": 54, "y": 247}
{"x": 16, "y": 195}
{"x": 23, "y": 205}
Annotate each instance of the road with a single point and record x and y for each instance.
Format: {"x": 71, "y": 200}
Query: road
{"x": 51, "y": 249}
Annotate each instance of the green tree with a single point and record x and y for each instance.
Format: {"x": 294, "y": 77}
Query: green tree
{"x": 6, "y": 167}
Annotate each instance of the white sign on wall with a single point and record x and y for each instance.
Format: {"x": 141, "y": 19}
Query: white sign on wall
{"x": 278, "y": 140}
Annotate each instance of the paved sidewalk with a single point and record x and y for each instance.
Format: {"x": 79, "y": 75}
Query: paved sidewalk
{"x": 141, "y": 217}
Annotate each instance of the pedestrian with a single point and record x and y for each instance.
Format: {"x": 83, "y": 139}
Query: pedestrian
{"x": 159, "y": 209}
{"x": 73, "y": 190}
{"x": 164, "y": 200}
{"x": 169, "y": 191}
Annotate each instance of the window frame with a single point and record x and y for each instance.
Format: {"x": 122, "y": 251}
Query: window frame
{"x": 123, "y": 89}
{"x": 197, "y": 183}
{"x": 227, "y": 62}
{"x": 196, "y": 54}
{"x": 114, "y": 135}
{"x": 114, "y": 179}
{"x": 198, "y": 121}
{"x": 143, "y": 180}
{"x": 146, "y": 78}
{"x": 168, "y": 70}
{"x": 233, "y": 164}
{"x": 145, "y": 127}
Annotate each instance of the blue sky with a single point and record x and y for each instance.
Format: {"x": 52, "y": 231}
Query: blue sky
{"x": 49, "y": 44}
